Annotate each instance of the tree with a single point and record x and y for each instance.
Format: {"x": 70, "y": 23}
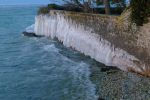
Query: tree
{"x": 107, "y": 6}
{"x": 106, "y": 3}
{"x": 140, "y": 11}
{"x": 86, "y": 5}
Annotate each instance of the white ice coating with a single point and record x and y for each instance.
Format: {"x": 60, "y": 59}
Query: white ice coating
{"x": 83, "y": 40}
{"x": 30, "y": 29}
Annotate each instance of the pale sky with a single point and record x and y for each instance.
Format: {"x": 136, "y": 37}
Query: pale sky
{"x": 27, "y": 2}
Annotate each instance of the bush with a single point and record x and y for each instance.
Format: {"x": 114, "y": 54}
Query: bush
{"x": 140, "y": 11}
{"x": 43, "y": 10}
{"x": 56, "y": 7}
{"x": 114, "y": 11}
{"x": 69, "y": 7}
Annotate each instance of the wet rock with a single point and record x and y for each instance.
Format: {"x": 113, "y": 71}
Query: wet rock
{"x": 104, "y": 69}
{"x": 109, "y": 70}
{"x": 30, "y": 34}
{"x": 100, "y": 98}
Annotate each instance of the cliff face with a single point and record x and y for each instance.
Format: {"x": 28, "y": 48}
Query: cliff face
{"x": 107, "y": 39}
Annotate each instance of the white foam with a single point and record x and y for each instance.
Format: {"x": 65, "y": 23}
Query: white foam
{"x": 30, "y": 29}
{"x": 81, "y": 73}
{"x": 50, "y": 48}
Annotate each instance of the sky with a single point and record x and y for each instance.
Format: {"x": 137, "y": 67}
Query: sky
{"x": 27, "y": 2}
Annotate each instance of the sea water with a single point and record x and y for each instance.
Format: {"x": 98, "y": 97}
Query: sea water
{"x": 38, "y": 68}
{"x": 44, "y": 69}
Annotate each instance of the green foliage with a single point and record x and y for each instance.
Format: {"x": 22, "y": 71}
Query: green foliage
{"x": 114, "y": 11}
{"x": 75, "y": 5}
{"x": 140, "y": 11}
{"x": 54, "y": 6}
{"x": 117, "y": 2}
{"x": 45, "y": 10}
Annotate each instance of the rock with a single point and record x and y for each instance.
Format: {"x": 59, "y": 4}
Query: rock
{"x": 29, "y": 31}
{"x": 108, "y": 68}
{"x": 30, "y": 34}
{"x": 100, "y": 98}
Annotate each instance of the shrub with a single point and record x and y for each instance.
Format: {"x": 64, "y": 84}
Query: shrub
{"x": 69, "y": 7}
{"x": 140, "y": 11}
{"x": 46, "y": 9}
{"x": 43, "y": 10}
{"x": 114, "y": 11}
{"x": 54, "y": 6}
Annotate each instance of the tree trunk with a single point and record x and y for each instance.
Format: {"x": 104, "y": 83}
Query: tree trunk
{"x": 107, "y": 7}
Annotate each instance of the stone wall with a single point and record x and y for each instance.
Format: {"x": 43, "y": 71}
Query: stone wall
{"x": 135, "y": 40}
{"x": 115, "y": 29}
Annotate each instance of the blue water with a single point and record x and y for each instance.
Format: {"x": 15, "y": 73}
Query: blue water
{"x": 38, "y": 68}
{"x": 43, "y": 69}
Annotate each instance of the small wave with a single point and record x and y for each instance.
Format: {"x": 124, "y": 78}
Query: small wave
{"x": 30, "y": 29}
{"x": 81, "y": 73}
{"x": 51, "y": 48}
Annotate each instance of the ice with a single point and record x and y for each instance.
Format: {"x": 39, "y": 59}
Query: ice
{"x": 30, "y": 29}
{"x": 83, "y": 40}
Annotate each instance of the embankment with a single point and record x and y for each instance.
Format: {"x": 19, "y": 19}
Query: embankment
{"x": 107, "y": 39}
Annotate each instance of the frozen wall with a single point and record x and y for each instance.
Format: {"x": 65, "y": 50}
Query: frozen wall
{"x": 94, "y": 35}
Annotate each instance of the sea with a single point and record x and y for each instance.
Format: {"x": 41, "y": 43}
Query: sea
{"x": 33, "y": 68}
{"x": 38, "y": 68}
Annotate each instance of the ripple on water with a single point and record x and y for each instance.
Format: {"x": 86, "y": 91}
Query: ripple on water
{"x": 50, "y": 48}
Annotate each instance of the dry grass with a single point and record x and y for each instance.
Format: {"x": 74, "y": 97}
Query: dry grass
{"x": 145, "y": 73}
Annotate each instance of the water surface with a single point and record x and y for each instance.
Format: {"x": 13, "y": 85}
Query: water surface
{"x": 38, "y": 68}
{"x": 43, "y": 69}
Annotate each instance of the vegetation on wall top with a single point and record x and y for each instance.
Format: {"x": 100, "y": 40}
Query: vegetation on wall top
{"x": 46, "y": 9}
{"x": 87, "y": 6}
{"x": 140, "y": 9}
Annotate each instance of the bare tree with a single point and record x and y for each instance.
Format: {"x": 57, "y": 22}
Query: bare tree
{"x": 107, "y": 6}
{"x": 86, "y": 5}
